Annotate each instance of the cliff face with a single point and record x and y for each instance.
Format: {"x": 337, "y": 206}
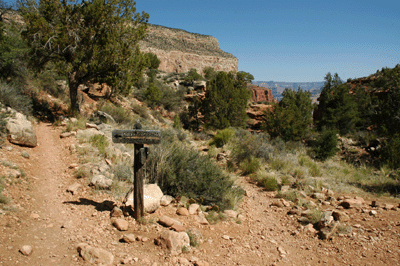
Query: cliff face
{"x": 179, "y": 50}
{"x": 261, "y": 94}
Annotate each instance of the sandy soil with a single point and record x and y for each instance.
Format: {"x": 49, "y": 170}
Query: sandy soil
{"x": 53, "y": 222}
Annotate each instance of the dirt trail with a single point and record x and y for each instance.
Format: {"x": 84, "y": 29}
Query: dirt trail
{"x": 54, "y": 221}
{"x": 42, "y": 212}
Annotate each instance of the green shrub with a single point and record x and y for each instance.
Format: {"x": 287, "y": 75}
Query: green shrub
{"x": 246, "y": 145}
{"x": 278, "y": 164}
{"x": 269, "y": 183}
{"x": 250, "y": 165}
{"x": 140, "y": 110}
{"x": 390, "y": 153}
{"x": 80, "y": 123}
{"x": 81, "y": 172}
{"x": 123, "y": 172}
{"x": 222, "y": 137}
{"x": 3, "y": 124}
{"x": 100, "y": 142}
{"x": 192, "y": 75}
{"x": 325, "y": 145}
{"x": 153, "y": 95}
{"x": 158, "y": 116}
{"x": 181, "y": 170}
{"x": 14, "y": 97}
{"x": 119, "y": 113}
{"x": 177, "y": 122}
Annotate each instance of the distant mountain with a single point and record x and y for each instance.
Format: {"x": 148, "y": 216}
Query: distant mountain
{"x": 278, "y": 87}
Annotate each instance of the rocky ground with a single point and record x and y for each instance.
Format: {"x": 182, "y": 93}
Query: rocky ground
{"x": 44, "y": 224}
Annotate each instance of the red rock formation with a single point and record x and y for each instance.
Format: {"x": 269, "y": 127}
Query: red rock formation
{"x": 261, "y": 94}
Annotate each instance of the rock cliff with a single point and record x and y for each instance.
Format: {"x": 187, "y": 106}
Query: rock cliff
{"x": 179, "y": 50}
{"x": 261, "y": 94}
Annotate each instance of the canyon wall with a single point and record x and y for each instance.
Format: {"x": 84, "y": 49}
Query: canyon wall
{"x": 179, "y": 50}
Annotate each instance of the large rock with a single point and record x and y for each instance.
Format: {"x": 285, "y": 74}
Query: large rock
{"x": 100, "y": 181}
{"x": 95, "y": 255}
{"x": 152, "y": 198}
{"x": 174, "y": 241}
{"x": 20, "y": 131}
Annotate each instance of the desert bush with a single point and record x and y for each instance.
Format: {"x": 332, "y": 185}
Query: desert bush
{"x": 119, "y": 113}
{"x": 157, "y": 115}
{"x": 81, "y": 172}
{"x": 3, "y": 124}
{"x": 269, "y": 183}
{"x": 13, "y": 96}
{"x": 140, "y": 110}
{"x": 172, "y": 99}
{"x": 153, "y": 95}
{"x": 222, "y": 137}
{"x": 100, "y": 142}
{"x": 177, "y": 122}
{"x": 74, "y": 125}
{"x": 250, "y": 165}
{"x": 245, "y": 145}
{"x": 325, "y": 146}
{"x": 123, "y": 172}
{"x": 182, "y": 171}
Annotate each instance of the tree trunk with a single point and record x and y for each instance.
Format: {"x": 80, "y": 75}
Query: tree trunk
{"x": 73, "y": 93}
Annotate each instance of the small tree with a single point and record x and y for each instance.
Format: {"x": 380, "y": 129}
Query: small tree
{"x": 291, "y": 118}
{"x": 337, "y": 107}
{"x": 192, "y": 76}
{"x": 88, "y": 41}
{"x": 226, "y": 99}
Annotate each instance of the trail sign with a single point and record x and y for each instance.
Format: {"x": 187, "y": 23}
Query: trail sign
{"x": 136, "y": 136}
{"x": 139, "y": 137}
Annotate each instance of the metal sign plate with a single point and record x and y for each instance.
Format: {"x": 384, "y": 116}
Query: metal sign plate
{"x": 136, "y": 136}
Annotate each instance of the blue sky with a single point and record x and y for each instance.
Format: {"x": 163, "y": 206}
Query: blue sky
{"x": 293, "y": 41}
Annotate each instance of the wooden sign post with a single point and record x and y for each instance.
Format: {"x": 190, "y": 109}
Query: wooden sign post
{"x": 138, "y": 137}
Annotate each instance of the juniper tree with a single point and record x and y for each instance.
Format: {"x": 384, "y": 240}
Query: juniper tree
{"x": 87, "y": 41}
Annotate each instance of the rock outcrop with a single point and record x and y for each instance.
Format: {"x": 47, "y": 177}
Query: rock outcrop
{"x": 261, "y": 94}
{"x": 179, "y": 50}
{"x": 20, "y": 131}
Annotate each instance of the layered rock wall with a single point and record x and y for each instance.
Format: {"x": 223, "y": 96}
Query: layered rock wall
{"x": 179, "y": 50}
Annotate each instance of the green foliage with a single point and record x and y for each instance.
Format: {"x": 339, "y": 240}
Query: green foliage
{"x": 140, "y": 110}
{"x": 226, "y": 99}
{"x": 291, "y": 118}
{"x": 325, "y": 146}
{"x": 74, "y": 125}
{"x": 100, "y": 142}
{"x": 3, "y": 124}
{"x": 192, "y": 76}
{"x": 81, "y": 172}
{"x": 209, "y": 73}
{"x": 250, "y": 165}
{"x": 92, "y": 41}
{"x": 390, "y": 153}
{"x": 152, "y": 61}
{"x": 13, "y": 96}
{"x": 119, "y": 113}
{"x": 123, "y": 172}
{"x": 177, "y": 122}
{"x": 153, "y": 95}
{"x": 181, "y": 170}
{"x": 222, "y": 137}
{"x": 338, "y": 108}
{"x": 246, "y": 145}
{"x": 269, "y": 183}
{"x": 13, "y": 49}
